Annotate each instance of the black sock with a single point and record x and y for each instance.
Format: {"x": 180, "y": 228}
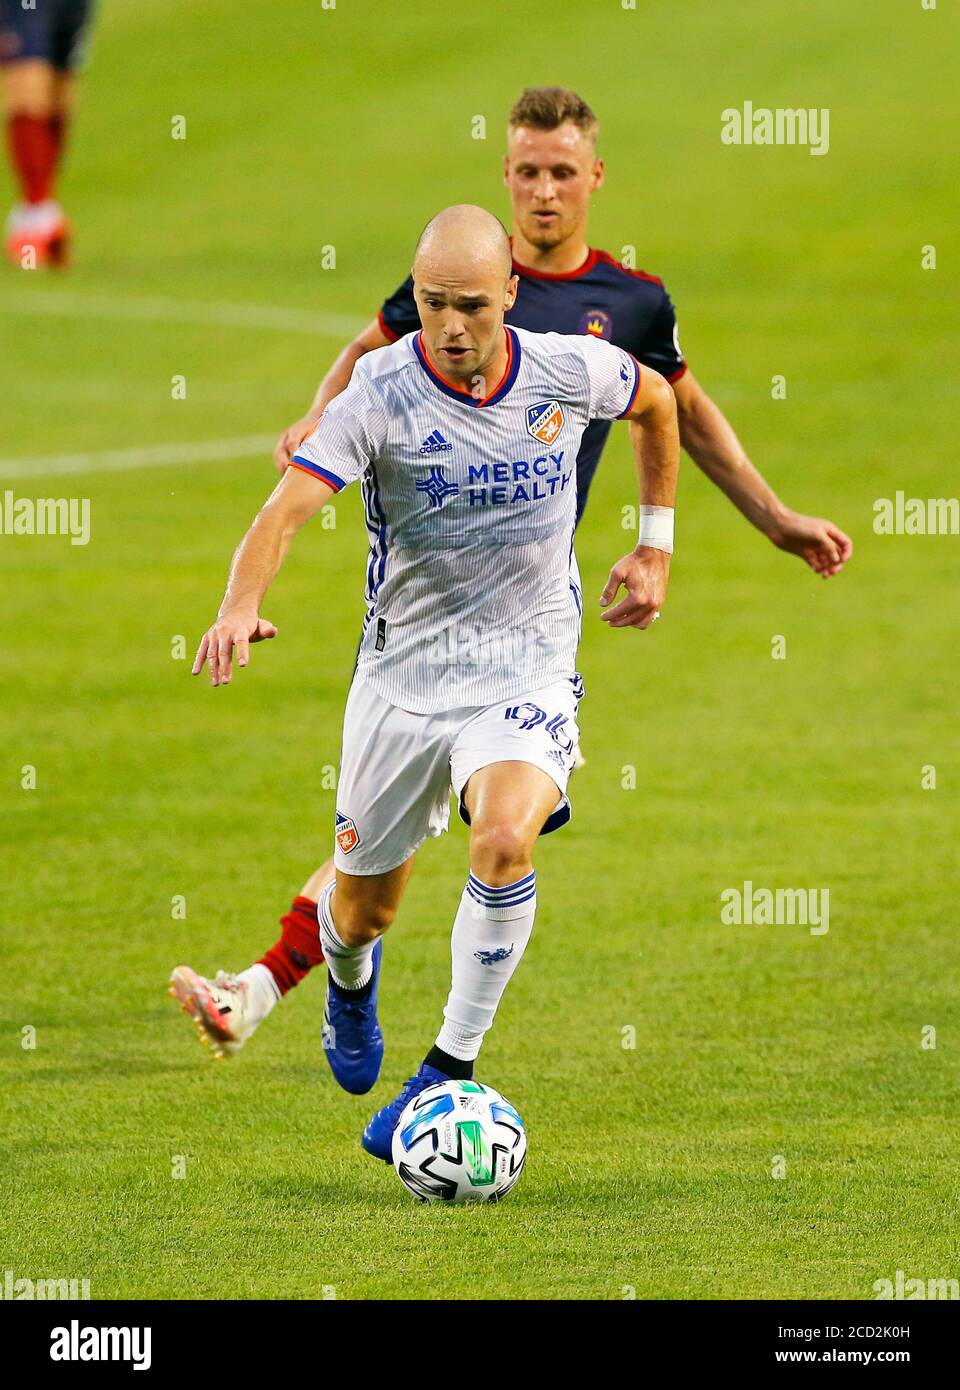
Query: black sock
{"x": 455, "y": 1067}
{"x": 354, "y": 995}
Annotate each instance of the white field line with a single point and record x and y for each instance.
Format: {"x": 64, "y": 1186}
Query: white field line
{"x": 176, "y": 311}
{"x": 149, "y": 456}
{"x": 62, "y": 304}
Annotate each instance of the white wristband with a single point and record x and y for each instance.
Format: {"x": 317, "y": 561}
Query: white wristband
{"x": 656, "y": 528}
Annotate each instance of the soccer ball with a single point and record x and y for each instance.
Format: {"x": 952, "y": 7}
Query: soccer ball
{"x": 459, "y": 1141}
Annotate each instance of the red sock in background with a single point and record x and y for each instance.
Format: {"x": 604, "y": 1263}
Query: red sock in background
{"x": 57, "y": 125}
{"x": 298, "y": 949}
{"x": 33, "y": 153}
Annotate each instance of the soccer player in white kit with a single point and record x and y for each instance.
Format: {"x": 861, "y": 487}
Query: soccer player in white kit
{"x": 464, "y": 438}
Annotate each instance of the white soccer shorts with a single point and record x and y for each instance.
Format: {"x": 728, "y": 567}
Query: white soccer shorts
{"x": 397, "y": 768}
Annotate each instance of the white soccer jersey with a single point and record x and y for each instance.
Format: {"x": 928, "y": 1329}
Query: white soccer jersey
{"x": 472, "y": 585}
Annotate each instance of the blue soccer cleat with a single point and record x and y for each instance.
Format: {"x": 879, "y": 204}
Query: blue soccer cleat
{"x": 377, "y": 1138}
{"x": 352, "y": 1039}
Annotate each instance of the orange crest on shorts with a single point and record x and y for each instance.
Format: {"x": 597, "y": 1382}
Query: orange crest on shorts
{"x": 346, "y": 832}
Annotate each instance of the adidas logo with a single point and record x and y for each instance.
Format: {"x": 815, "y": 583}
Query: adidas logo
{"x": 435, "y": 444}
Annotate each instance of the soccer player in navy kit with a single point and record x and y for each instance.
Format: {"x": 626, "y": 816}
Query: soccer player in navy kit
{"x": 41, "y": 47}
{"x": 551, "y": 172}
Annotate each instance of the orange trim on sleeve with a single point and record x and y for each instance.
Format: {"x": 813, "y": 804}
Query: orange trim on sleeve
{"x": 314, "y": 474}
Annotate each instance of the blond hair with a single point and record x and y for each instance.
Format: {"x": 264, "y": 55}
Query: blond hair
{"x": 546, "y": 108}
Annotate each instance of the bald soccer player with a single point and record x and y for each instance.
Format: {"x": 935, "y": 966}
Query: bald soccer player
{"x": 552, "y": 173}
{"x": 466, "y": 676}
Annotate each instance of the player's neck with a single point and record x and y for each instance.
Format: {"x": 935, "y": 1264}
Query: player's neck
{"x": 492, "y": 371}
{"x": 551, "y": 260}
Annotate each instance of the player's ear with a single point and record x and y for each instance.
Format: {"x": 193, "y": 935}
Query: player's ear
{"x": 597, "y": 175}
{"x": 511, "y": 292}
{"x": 506, "y": 168}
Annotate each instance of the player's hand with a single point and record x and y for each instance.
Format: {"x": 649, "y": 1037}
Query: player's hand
{"x": 291, "y": 439}
{"x": 824, "y": 546}
{"x": 231, "y": 630}
{"x": 644, "y": 573}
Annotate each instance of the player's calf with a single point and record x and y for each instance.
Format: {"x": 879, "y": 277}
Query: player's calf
{"x": 491, "y": 931}
{"x": 490, "y": 934}
{"x": 508, "y": 804}
{"x": 297, "y": 950}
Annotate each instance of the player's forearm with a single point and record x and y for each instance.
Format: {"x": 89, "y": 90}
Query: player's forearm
{"x": 645, "y": 572}
{"x": 654, "y": 436}
{"x": 257, "y": 561}
{"x": 711, "y": 442}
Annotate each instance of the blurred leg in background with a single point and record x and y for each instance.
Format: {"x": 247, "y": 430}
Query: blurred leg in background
{"x": 40, "y": 50}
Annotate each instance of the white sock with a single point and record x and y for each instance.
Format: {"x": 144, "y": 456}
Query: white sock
{"x": 350, "y": 966}
{"x": 263, "y": 992}
{"x": 490, "y": 934}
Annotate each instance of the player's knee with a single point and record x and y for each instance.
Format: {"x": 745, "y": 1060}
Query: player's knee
{"x": 29, "y": 89}
{"x": 499, "y": 851}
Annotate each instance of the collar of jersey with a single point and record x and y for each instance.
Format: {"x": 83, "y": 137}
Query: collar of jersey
{"x": 582, "y": 269}
{"x": 457, "y": 392}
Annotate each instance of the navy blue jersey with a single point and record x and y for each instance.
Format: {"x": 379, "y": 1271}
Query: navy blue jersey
{"x": 53, "y": 31}
{"x": 603, "y": 298}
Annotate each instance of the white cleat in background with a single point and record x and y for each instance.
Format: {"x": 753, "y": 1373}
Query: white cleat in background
{"x": 225, "y": 1010}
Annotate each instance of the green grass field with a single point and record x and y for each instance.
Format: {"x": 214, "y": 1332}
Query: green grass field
{"x": 650, "y": 1168}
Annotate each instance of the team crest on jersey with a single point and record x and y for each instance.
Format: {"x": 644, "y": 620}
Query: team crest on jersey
{"x": 545, "y": 420}
{"x": 597, "y": 323}
{"x": 347, "y": 836}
